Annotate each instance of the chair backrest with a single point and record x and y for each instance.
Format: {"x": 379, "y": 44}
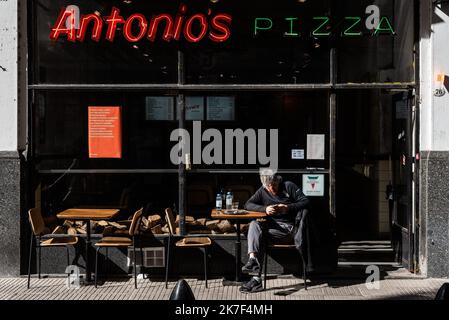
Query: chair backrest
{"x": 241, "y": 192}
{"x": 170, "y": 221}
{"x": 199, "y": 195}
{"x": 36, "y": 221}
{"x": 135, "y": 222}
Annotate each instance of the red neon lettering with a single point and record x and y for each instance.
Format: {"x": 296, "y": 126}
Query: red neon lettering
{"x": 168, "y": 34}
{"x": 57, "y": 29}
{"x": 188, "y": 28}
{"x": 96, "y": 30}
{"x": 128, "y": 25}
{"x": 179, "y": 20}
{"x": 219, "y": 24}
{"x": 113, "y": 20}
{"x": 194, "y": 30}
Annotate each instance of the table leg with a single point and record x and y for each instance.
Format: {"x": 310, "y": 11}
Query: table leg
{"x": 88, "y": 241}
{"x": 238, "y": 280}
{"x": 238, "y": 254}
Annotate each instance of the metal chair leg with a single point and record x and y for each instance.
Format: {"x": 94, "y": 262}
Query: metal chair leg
{"x": 265, "y": 263}
{"x": 68, "y": 255}
{"x": 96, "y": 266}
{"x": 141, "y": 259}
{"x": 205, "y": 264}
{"x": 39, "y": 258}
{"x": 167, "y": 263}
{"x": 304, "y": 270}
{"x": 135, "y": 264}
{"x": 29, "y": 261}
{"x": 106, "y": 261}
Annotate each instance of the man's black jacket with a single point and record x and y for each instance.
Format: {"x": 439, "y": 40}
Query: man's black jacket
{"x": 288, "y": 194}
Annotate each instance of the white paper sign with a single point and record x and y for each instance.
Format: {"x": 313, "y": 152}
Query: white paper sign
{"x": 194, "y": 108}
{"x": 298, "y": 154}
{"x": 313, "y": 185}
{"x": 220, "y": 108}
{"x": 159, "y": 108}
{"x": 315, "y": 147}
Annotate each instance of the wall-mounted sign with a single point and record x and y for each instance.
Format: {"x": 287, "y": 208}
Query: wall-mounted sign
{"x": 105, "y": 132}
{"x": 297, "y": 154}
{"x": 221, "y": 108}
{"x": 159, "y": 108}
{"x": 315, "y": 147}
{"x": 195, "y": 108}
{"x": 313, "y": 185}
{"x": 194, "y": 27}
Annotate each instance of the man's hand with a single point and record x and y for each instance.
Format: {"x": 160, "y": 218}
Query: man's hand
{"x": 281, "y": 208}
{"x": 276, "y": 209}
{"x": 271, "y": 210}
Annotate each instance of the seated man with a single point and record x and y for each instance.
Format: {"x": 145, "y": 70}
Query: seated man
{"x": 281, "y": 201}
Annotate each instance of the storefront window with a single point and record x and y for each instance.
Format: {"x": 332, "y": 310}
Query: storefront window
{"x": 265, "y": 45}
{"x": 376, "y": 41}
{"x": 62, "y": 131}
{"x": 89, "y": 61}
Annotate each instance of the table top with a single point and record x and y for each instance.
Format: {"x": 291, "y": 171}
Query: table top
{"x": 88, "y": 214}
{"x": 219, "y": 214}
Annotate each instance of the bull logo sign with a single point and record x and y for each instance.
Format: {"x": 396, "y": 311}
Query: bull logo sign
{"x": 313, "y": 185}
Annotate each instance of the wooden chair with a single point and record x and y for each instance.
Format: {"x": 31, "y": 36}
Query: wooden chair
{"x": 274, "y": 246}
{"x": 122, "y": 242}
{"x": 301, "y": 219}
{"x": 187, "y": 242}
{"x": 46, "y": 240}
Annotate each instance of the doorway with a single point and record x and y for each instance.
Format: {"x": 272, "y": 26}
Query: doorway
{"x": 374, "y": 170}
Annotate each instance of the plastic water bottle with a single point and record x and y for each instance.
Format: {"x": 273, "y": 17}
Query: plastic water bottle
{"x": 229, "y": 200}
{"x": 219, "y": 202}
{"x": 223, "y": 197}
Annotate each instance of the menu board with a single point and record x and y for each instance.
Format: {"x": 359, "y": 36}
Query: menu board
{"x": 105, "y": 132}
{"x": 159, "y": 108}
{"x": 220, "y": 108}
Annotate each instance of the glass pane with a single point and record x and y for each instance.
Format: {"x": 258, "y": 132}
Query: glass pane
{"x": 55, "y": 192}
{"x": 376, "y": 46}
{"x": 61, "y": 130}
{"x": 266, "y": 45}
{"x": 102, "y": 61}
{"x": 282, "y": 118}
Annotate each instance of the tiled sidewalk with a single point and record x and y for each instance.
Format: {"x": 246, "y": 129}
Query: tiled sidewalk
{"x": 286, "y": 288}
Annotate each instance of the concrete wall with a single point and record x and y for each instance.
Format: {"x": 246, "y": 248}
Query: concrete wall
{"x": 10, "y": 163}
{"x": 8, "y": 74}
{"x": 434, "y": 142}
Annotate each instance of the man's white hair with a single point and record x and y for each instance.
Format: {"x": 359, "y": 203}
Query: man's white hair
{"x": 269, "y": 177}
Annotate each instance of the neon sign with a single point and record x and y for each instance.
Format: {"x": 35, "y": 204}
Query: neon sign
{"x": 323, "y": 25}
{"x": 351, "y": 25}
{"x": 194, "y": 28}
{"x": 199, "y": 26}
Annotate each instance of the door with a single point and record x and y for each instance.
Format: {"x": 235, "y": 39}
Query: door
{"x": 401, "y": 197}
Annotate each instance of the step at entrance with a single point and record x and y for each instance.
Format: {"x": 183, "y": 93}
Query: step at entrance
{"x": 353, "y": 252}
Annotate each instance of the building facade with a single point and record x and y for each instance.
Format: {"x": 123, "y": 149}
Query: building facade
{"x": 352, "y": 95}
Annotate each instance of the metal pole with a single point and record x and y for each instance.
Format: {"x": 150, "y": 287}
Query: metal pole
{"x": 182, "y": 169}
{"x": 332, "y": 131}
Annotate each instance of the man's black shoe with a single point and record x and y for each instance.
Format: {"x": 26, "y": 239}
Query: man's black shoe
{"x": 252, "y": 265}
{"x": 252, "y": 285}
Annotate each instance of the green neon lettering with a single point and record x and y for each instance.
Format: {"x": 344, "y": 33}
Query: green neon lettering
{"x": 291, "y": 33}
{"x": 389, "y": 28}
{"x": 348, "y": 32}
{"x": 257, "y": 27}
{"x": 316, "y": 32}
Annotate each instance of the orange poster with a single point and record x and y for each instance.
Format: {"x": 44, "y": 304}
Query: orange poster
{"x": 105, "y": 132}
